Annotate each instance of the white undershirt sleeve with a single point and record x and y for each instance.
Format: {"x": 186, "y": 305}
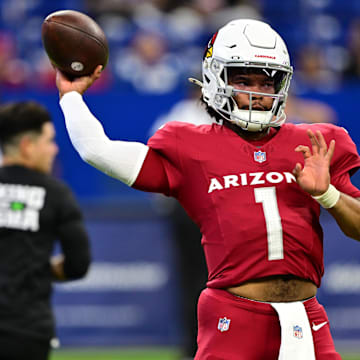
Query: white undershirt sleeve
{"x": 120, "y": 159}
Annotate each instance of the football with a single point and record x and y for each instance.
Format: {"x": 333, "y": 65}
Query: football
{"x": 74, "y": 42}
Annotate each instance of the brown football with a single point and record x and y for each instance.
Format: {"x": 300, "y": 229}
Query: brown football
{"x": 74, "y": 42}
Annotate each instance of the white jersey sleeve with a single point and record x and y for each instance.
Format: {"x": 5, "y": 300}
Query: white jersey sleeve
{"x": 120, "y": 159}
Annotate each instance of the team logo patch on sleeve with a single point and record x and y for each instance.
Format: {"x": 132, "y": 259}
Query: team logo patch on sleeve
{"x": 224, "y": 324}
{"x": 260, "y": 156}
{"x": 298, "y": 333}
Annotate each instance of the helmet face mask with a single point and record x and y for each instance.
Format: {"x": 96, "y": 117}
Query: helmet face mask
{"x": 248, "y": 47}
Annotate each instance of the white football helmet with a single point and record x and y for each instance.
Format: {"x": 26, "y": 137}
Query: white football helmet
{"x": 247, "y": 44}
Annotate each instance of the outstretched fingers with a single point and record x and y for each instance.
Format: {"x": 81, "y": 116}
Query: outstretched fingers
{"x": 305, "y": 150}
{"x": 315, "y": 142}
{"x": 318, "y": 146}
{"x": 331, "y": 150}
{"x": 297, "y": 170}
{"x": 324, "y": 150}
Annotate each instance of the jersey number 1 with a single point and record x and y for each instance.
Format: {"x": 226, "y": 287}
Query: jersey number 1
{"x": 267, "y": 197}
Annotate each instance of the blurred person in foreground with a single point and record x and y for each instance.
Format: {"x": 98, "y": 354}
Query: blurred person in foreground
{"x": 36, "y": 211}
{"x": 254, "y": 186}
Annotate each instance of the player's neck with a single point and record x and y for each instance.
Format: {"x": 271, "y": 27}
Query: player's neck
{"x": 247, "y": 135}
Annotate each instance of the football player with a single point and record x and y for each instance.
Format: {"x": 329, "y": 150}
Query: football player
{"x": 253, "y": 184}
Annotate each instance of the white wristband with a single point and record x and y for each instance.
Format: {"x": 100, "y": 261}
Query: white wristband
{"x": 329, "y": 198}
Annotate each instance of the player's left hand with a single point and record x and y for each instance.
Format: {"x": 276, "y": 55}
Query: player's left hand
{"x": 314, "y": 178}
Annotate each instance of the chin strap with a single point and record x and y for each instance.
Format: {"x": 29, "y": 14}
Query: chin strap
{"x": 196, "y": 82}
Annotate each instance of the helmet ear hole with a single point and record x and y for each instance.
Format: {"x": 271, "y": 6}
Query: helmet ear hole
{"x": 222, "y": 76}
{"x": 207, "y": 80}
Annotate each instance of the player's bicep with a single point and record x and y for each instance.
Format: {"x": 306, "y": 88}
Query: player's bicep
{"x": 119, "y": 159}
{"x": 153, "y": 176}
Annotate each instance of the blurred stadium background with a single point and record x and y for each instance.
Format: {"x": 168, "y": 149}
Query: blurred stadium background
{"x": 130, "y": 298}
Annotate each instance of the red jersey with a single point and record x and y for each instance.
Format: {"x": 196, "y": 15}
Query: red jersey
{"x": 255, "y": 219}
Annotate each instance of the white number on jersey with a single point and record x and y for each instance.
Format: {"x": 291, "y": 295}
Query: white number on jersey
{"x": 267, "y": 197}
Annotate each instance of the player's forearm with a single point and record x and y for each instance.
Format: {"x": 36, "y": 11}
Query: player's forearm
{"x": 347, "y": 214}
{"x": 119, "y": 159}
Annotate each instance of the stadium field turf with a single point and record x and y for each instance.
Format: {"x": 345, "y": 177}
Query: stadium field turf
{"x": 115, "y": 354}
{"x": 133, "y": 354}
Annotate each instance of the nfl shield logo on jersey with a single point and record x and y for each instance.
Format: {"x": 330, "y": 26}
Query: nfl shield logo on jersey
{"x": 224, "y": 324}
{"x": 260, "y": 156}
{"x": 298, "y": 333}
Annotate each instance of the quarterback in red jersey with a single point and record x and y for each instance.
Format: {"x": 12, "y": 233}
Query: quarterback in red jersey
{"x": 254, "y": 186}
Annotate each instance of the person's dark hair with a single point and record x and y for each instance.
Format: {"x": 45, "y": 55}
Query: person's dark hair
{"x": 21, "y": 117}
{"x": 214, "y": 114}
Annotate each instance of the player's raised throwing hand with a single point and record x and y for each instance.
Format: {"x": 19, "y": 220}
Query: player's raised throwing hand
{"x": 314, "y": 178}
{"x": 79, "y": 84}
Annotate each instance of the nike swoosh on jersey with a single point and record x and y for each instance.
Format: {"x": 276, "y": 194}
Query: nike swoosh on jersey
{"x": 318, "y": 326}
